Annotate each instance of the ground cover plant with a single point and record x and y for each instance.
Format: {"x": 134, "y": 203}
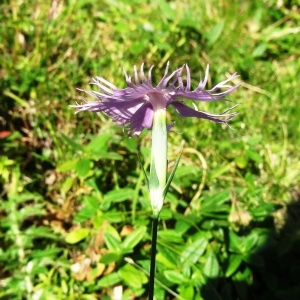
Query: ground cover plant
{"x": 75, "y": 215}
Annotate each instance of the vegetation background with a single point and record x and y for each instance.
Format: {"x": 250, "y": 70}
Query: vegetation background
{"x": 75, "y": 215}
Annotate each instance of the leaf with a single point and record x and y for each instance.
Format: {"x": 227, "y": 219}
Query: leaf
{"x": 234, "y": 242}
{"x": 99, "y": 143}
{"x": 250, "y": 180}
{"x": 77, "y": 235}
{"x": 119, "y": 195}
{"x": 167, "y": 257}
{"x": 130, "y": 143}
{"x": 220, "y": 171}
{"x": 186, "y": 292}
{"x": 137, "y": 47}
{"x": 109, "y": 280}
{"x": 241, "y": 161}
{"x": 250, "y": 242}
{"x": 171, "y": 175}
{"x": 68, "y": 165}
{"x": 91, "y": 201}
{"x": 74, "y": 146}
{"x": 215, "y": 33}
{"x": 211, "y": 268}
{"x": 170, "y": 235}
{"x": 46, "y": 253}
{"x": 112, "y": 242}
{"x": 263, "y": 210}
{"x": 88, "y": 297}
{"x": 175, "y": 277}
{"x": 260, "y": 50}
{"x": 111, "y": 217}
{"x": 108, "y": 155}
{"x": 134, "y": 237}
{"x": 110, "y": 257}
{"x": 234, "y": 263}
{"x": 166, "y": 9}
{"x": 215, "y": 204}
{"x": 112, "y": 238}
{"x": 67, "y": 184}
{"x": 182, "y": 226}
{"x": 144, "y": 172}
{"x": 193, "y": 251}
{"x": 165, "y": 214}
{"x": 183, "y": 171}
{"x": 254, "y": 156}
{"x": 83, "y": 167}
{"x": 132, "y": 277}
{"x": 85, "y": 214}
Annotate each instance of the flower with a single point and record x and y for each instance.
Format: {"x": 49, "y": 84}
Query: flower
{"x": 133, "y": 107}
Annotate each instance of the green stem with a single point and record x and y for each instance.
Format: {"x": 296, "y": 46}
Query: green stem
{"x": 157, "y": 180}
{"x": 158, "y": 167}
{"x": 153, "y": 255}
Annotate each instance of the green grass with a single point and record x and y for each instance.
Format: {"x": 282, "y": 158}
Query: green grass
{"x": 74, "y": 202}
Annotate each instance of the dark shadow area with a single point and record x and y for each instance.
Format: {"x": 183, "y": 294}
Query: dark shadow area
{"x": 274, "y": 265}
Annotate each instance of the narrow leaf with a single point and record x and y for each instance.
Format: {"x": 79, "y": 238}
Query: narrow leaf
{"x": 144, "y": 172}
{"x": 75, "y": 146}
{"x": 76, "y": 235}
{"x": 174, "y": 276}
{"x": 193, "y": 251}
{"x": 112, "y": 242}
{"x": 134, "y": 237}
{"x": 211, "y": 268}
{"x": 132, "y": 277}
{"x": 171, "y": 176}
{"x": 116, "y": 196}
{"x": 99, "y": 143}
{"x": 234, "y": 263}
{"x": 109, "y": 280}
{"x": 83, "y": 167}
{"x": 109, "y": 258}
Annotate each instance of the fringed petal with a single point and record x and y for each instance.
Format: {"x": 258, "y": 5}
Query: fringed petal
{"x": 133, "y": 106}
{"x": 186, "y": 111}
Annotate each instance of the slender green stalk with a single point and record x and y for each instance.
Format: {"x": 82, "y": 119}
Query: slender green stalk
{"x": 158, "y": 167}
{"x": 157, "y": 180}
{"x": 153, "y": 254}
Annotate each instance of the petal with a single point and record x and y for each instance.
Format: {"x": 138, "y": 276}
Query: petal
{"x": 165, "y": 79}
{"x": 123, "y": 111}
{"x": 150, "y": 76}
{"x": 142, "y": 73}
{"x": 142, "y": 118}
{"x": 204, "y": 96}
{"x": 133, "y": 106}
{"x": 97, "y": 81}
{"x": 223, "y": 84}
{"x": 202, "y": 84}
{"x": 186, "y": 111}
{"x": 136, "y": 76}
{"x": 188, "y": 78}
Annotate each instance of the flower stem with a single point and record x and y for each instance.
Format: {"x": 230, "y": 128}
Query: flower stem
{"x": 158, "y": 167}
{"x": 157, "y": 182}
{"x": 153, "y": 254}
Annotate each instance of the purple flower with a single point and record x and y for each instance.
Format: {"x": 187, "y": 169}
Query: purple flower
{"x": 133, "y": 107}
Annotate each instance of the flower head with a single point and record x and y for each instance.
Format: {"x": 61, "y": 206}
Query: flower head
{"x": 133, "y": 107}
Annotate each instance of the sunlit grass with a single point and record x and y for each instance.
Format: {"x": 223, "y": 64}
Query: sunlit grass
{"x": 55, "y": 180}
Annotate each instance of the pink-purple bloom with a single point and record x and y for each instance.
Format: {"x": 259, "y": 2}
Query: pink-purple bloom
{"x": 133, "y": 107}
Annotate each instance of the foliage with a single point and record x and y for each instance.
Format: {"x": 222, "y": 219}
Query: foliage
{"x": 75, "y": 215}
